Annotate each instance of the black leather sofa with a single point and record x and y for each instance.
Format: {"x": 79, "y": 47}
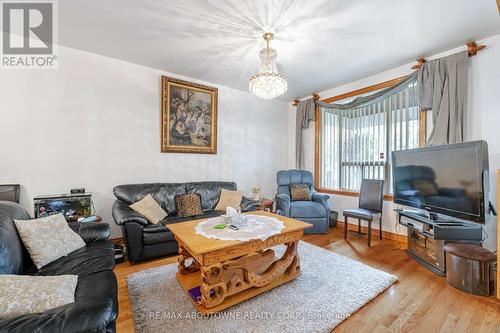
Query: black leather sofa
{"x": 145, "y": 240}
{"x": 95, "y": 308}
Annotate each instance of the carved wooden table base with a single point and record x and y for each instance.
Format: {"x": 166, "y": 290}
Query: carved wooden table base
{"x": 186, "y": 263}
{"x": 233, "y": 276}
{"x": 230, "y": 272}
{"x": 230, "y": 277}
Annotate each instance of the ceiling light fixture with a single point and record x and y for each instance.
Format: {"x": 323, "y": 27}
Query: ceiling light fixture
{"x": 267, "y": 83}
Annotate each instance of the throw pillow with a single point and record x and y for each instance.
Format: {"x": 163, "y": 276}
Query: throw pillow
{"x": 24, "y": 294}
{"x": 148, "y": 207}
{"x": 188, "y": 205}
{"x": 48, "y": 238}
{"x": 229, "y": 198}
{"x": 426, "y": 188}
{"x": 300, "y": 192}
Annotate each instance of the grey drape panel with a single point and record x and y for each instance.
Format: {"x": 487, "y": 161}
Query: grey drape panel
{"x": 369, "y": 100}
{"x": 443, "y": 88}
{"x": 305, "y": 113}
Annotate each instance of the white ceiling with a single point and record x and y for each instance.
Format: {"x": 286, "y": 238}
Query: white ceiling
{"x": 320, "y": 43}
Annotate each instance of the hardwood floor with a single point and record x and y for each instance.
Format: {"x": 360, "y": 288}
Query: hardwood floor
{"x": 419, "y": 302}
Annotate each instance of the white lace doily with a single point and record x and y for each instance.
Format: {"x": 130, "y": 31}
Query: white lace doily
{"x": 258, "y": 227}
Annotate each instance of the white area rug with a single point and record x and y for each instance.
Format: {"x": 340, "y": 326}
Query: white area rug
{"x": 330, "y": 288}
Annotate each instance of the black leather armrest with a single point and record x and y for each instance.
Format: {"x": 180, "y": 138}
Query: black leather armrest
{"x": 122, "y": 214}
{"x": 248, "y": 205}
{"x": 95, "y": 307}
{"x": 132, "y": 234}
{"x": 91, "y": 231}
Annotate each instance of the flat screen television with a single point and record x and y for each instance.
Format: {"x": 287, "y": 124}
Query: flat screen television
{"x": 449, "y": 179}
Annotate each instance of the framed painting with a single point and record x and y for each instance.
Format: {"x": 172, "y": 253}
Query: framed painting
{"x": 188, "y": 117}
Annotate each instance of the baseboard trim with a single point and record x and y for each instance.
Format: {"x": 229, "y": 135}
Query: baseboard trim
{"x": 385, "y": 234}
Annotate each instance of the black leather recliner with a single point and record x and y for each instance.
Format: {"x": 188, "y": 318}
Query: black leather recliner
{"x": 145, "y": 240}
{"x": 95, "y": 308}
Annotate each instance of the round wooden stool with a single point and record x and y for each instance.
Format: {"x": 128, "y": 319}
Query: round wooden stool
{"x": 470, "y": 268}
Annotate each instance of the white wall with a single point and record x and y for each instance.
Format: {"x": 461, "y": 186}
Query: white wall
{"x": 95, "y": 122}
{"x": 484, "y": 117}
{"x": 484, "y": 124}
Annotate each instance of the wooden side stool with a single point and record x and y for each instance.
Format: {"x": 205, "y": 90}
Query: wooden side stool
{"x": 470, "y": 268}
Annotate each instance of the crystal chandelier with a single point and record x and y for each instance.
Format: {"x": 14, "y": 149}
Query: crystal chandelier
{"x": 267, "y": 83}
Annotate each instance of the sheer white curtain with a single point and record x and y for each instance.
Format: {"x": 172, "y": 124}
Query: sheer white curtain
{"x": 357, "y": 143}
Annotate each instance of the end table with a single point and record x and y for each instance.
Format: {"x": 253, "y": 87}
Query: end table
{"x": 266, "y": 205}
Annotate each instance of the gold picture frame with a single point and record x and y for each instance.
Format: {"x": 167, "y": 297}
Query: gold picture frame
{"x": 188, "y": 117}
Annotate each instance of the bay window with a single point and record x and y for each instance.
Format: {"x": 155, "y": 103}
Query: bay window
{"x": 356, "y": 143}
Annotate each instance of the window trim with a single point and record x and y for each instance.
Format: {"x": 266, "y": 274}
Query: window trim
{"x": 422, "y": 133}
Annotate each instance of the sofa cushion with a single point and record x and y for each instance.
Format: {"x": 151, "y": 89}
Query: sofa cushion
{"x": 14, "y": 258}
{"x": 23, "y": 294}
{"x": 307, "y": 209}
{"x": 163, "y": 193}
{"x": 229, "y": 198}
{"x": 93, "y": 258}
{"x": 48, "y": 238}
{"x": 159, "y": 233}
{"x": 148, "y": 207}
{"x": 209, "y": 192}
{"x": 94, "y": 308}
{"x": 206, "y": 214}
{"x": 300, "y": 192}
{"x": 188, "y": 205}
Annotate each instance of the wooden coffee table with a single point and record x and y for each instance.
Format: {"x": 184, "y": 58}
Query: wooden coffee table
{"x": 230, "y": 272}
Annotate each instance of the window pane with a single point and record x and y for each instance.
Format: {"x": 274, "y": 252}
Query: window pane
{"x": 404, "y": 125}
{"x": 364, "y": 133}
{"x": 357, "y": 143}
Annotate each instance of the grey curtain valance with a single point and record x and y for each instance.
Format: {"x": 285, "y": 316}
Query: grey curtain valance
{"x": 442, "y": 85}
{"x": 306, "y": 111}
{"x": 376, "y": 97}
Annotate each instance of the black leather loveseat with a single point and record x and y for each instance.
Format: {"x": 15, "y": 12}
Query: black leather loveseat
{"x": 145, "y": 240}
{"x": 95, "y": 308}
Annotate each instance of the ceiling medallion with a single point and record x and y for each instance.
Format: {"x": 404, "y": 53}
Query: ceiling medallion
{"x": 267, "y": 83}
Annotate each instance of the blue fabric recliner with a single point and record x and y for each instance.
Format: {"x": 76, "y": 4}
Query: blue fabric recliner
{"x": 316, "y": 212}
